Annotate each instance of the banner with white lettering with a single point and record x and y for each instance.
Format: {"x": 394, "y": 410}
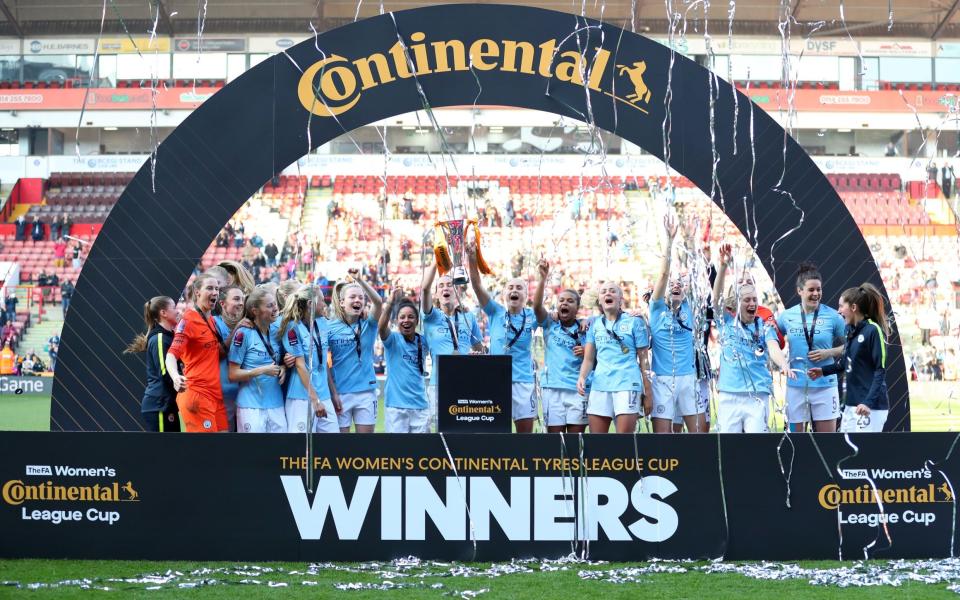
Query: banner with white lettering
{"x": 476, "y": 497}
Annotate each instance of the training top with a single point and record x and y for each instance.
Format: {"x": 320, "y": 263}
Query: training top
{"x": 864, "y": 362}
{"x": 159, "y": 393}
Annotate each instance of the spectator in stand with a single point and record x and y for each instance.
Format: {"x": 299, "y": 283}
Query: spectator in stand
{"x": 510, "y": 212}
{"x": 10, "y": 304}
{"x": 60, "y": 253}
{"x": 383, "y": 265}
{"x": 8, "y": 333}
{"x": 271, "y": 251}
{"x": 249, "y": 254}
{"x": 66, "y": 294}
{"x": 21, "y": 228}
{"x": 291, "y": 267}
{"x": 223, "y": 240}
{"x": 238, "y": 232}
{"x": 307, "y": 260}
{"x": 8, "y": 360}
{"x": 53, "y": 349}
{"x": 36, "y": 230}
{"x": 406, "y": 248}
{"x": 323, "y": 283}
{"x": 55, "y": 227}
{"x": 256, "y": 241}
{"x": 516, "y": 265}
{"x": 38, "y": 366}
{"x": 26, "y": 365}
{"x": 65, "y": 229}
{"x": 53, "y": 281}
{"x": 77, "y": 260}
{"x": 42, "y": 279}
{"x": 408, "y": 205}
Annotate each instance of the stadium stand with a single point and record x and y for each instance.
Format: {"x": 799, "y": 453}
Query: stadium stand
{"x": 337, "y": 220}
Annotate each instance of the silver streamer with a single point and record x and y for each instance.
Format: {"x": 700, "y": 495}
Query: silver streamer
{"x": 411, "y": 573}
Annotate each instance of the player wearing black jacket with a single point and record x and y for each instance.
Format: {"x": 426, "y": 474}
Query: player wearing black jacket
{"x": 864, "y": 360}
{"x": 159, "y": 403}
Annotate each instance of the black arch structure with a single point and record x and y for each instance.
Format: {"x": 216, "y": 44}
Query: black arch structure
{"x": 253, "y": 128}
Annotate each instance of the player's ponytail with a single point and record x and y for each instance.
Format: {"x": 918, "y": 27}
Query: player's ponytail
{"x": 297, "y": 309}
{"x": 151, "y": 317}
{"x": 869, "y": 302}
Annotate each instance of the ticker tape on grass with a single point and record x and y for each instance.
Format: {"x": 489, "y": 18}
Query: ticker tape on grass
{"x": 411, "y": 573}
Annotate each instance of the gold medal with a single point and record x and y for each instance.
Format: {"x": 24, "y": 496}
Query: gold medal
{"x": 624, "y": 350}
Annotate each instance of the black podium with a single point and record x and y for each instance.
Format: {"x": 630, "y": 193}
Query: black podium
{"x": 474, "y": 393}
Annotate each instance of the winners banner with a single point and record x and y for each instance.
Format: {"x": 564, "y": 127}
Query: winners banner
{"x": 476, "y": 497}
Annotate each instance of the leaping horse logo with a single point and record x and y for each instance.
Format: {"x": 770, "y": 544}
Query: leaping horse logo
{"x": 635, "y": 73}
{"x": 134, "y": 496}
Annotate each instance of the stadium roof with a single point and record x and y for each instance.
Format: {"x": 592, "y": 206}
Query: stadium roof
{"x": 933, "y": 19}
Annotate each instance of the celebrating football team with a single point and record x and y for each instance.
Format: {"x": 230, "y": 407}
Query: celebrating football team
{"x": 258, "y": 359}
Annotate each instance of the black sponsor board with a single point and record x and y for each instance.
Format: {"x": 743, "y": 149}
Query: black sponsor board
{"x": 463, "y": 55}
{"x": 474, "y": 394}
{"x": 244, "y": 497}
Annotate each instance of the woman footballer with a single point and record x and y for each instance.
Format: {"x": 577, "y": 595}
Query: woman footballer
{"x": 864, "y": 360}
{"x": 815, "y": 335}
{"x": 350, "y": 340}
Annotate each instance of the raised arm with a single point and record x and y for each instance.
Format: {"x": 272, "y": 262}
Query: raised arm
{"x": 660, "y": 289}
{"x": 383, "y": 324}
{"x": 426, "y": 289}
{"x": 543, "y": 270}
{"x": 483, "y": 296}
{"x": 371, "y": 293}
{"x": 726, "y": 257}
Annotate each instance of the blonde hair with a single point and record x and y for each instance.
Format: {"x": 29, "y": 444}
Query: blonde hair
{"x": 732, "y": 298}
{"x": 297, "y": 308}
{"x": 239, "y": 274}
{"x": 285, "y": 290}
{"x": 253, "y": 301}
{"x": 339, "y": 290}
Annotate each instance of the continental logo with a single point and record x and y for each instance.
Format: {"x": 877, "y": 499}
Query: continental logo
{"x": 475, "y": 410}
{"x": 831, "y": 496}
{"x": 15, "y": 492}
{"x": 333, "y": 86}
